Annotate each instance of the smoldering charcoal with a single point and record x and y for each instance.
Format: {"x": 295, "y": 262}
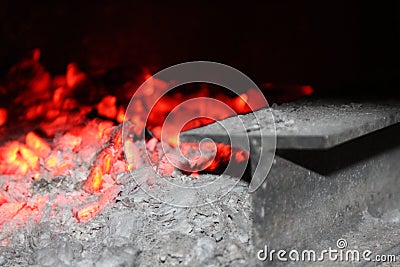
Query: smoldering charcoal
{"x": 71, "y": 196}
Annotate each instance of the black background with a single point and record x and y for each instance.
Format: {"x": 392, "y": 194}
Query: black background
{"x": 342, "y": 46}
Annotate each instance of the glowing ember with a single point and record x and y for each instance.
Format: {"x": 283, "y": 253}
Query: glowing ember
{"x": 9, "y": 210}
{"x": 3, "y": 116}
{"x": 75, "y": 135}
{"x": 107, "y": 107}
{"x": 37, "y": 144}
{"x": 87, "y": 212}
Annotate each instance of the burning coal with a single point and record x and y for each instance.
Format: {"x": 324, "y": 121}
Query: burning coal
{"x": 69, "y": 127}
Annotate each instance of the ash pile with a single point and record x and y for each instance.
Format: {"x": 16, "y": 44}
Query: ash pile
{"x": 135, "y": 229}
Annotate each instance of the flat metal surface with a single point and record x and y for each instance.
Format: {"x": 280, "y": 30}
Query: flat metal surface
{"x": 312, "y": 198}
{"x": 308, "y": 123}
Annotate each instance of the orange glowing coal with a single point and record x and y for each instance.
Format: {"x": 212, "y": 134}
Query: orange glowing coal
{"x": 72, "y": 130}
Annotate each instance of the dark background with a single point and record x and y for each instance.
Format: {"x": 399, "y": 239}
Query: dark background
{"x": 342, "y": 46}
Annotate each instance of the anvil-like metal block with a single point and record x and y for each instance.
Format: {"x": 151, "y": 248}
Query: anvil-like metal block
{"x": 336, "y": 161}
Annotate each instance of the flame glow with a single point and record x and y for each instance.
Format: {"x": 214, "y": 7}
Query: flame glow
{"x": 76, "y": 132}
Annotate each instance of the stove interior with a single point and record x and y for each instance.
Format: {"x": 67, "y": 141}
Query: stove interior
{"x": 69, "y": 70}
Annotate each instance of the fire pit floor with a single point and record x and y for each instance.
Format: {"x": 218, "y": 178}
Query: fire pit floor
{"x": 138, "y": 230}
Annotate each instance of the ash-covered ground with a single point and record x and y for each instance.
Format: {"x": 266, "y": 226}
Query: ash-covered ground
{"x": 136, "y": 229}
